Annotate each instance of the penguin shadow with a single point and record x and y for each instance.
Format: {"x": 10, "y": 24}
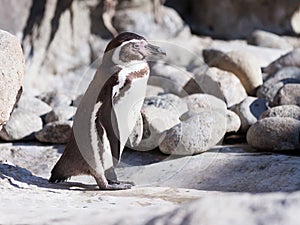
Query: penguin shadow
{"x": 21, "y": 178}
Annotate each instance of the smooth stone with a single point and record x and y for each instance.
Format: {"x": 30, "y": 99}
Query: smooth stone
{"x": 33, "y": 105}
{"x": 55, "y": 132}
{"x": 275, "y": 133}
{"x": 12, "y": 69}
{"x": 290, "y": 59}
{"x": 61, "y": 113}
{"x": 269, "y": 40}
{"x": 195, "y": 135}
{"x": 55, "y": 99}
{"x": 289, "y": 94}
{"x": 222, "y": 84}
{"x": 171, "y": 78}
{"x": 198, "y": 103}
{"x": 274, "y": 82}
{"x": 153, "y": 90}
{"x": 249, "y": 111}
{"x": 243, "y": 64}
{"x": 291, "y": 111}
{"x": 21, "y": 125}
{"x": 233, "y": 123}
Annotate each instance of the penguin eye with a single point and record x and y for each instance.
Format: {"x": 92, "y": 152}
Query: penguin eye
{"x": 136, "y": 46}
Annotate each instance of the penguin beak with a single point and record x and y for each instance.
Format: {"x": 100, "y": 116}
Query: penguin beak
{"x": 153, "y": 50}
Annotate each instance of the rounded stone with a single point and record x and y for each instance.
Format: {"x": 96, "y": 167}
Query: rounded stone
{"x": 233, "y": 121}
{"x": 243, "y": 64}
{"x": 153, "y": 90}
{"x": 12, "y": 67}
{"x": 274, "y": 82}
{"x": 288, "y": 95}
{"x": 33, "y": 105}
{"x": 291, "y": 111}
{"x": 55, "y": 99}
{"x": 275, "y": 133}
{"x": 55, "y": 133}
{"x": 195, "y": 135}
{"x": 62, "y": 113}
{"x": 21, "y": 125}
{"x": 249, "y": 111}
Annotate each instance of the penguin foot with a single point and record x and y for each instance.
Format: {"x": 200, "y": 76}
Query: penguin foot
{"x": 120, "y": 182}
{"x": 120, "y": 186}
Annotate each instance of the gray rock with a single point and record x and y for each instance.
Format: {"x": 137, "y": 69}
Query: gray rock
{"x": 243, "y": 64}
{"x": 62, "y": 113}
{"x": 275, "y": 133}
{"x": 12, "y": 68}
{"x": 233, "y": 122}
{"x": 276, "y": 81}
{"x": 269, "y": 40}
{"x": 198, "y": 103}
{"x": 222, "y": 84}
{"x": 33, "y": 105}
{"x": 195, "y": 135}
{"x": 249, "y": 111}
{"x": 291, "y": 59}
{"x": 55, "y": 99}
{"x": 291, "y": 111}
{"x": 55, "y": 132}
{"x": 288, "y": 95}
{"x": 172, "y": 79}
{"x": 22, "y": 124}
{"x": 153, "y": 90}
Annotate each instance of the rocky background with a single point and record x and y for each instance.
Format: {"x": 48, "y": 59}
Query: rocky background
{"x": 228, "y": 89}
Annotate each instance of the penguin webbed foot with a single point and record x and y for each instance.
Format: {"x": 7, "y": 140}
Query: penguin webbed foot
{"x": 114, "y": 185}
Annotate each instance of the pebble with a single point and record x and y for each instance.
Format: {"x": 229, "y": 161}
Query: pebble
{"x": 291, "y": 111}
{"x": 195, "y": 135}
{"x": 21, "y": 125}
{"x": 233, "y": 122}
{"x": 33, "y": 105}
{"x": 61, "y": 113}
{"x": 289, "y": 94}
{"x": 243, "y": 64}
{"x": 249, "y": 111}
{"x": 55, "y": 99}
{"x": 153, "y": 90}
{"x": 55, "y": 132}
{"x": 275, "y": 133}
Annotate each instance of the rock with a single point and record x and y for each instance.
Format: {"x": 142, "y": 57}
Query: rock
{"x": 291, "y": 59}
{"x": 62, "y": 113}
{"x": 12, "y": 68}
{"x": 291, "y": 111}
{"x": 55, "y": 99}
{"x": 77, "y": 100}
{"x": 295, "y": 24}
{"x": 172, "y": 79}
{"x": 288, "y": 95}
{"x": 195, "y": 135}
{"x": 243, "y": 64}
{"x": 275, "y": 133}
{"x": 141, "y": 20}
{"x": 198, "y": 103}
{"x": 269, "y": 40}
{"x": 274, "y": 82}
{"x": 153, "y": 90}
{"x": 222, "y": 84}
{"x": 21, "y": 125}
{"x": 55, "y": 132}
{"x": 249, "y": 111}
{"x": 233, "y": 123}
{"x": 33, "y": 105}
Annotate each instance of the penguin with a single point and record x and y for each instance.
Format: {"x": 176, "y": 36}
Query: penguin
{"x": 108, "y": 112}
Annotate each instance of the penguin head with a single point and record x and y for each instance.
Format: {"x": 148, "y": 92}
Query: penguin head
{"x": 129, "y": 47}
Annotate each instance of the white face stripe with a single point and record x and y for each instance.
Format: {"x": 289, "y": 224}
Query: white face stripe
{"x": 116, "y": 54}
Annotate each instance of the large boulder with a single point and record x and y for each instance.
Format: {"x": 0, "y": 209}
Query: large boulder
{"x": 12, "y": 66}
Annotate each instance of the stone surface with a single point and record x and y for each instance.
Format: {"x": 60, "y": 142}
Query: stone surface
{"x": 195, "y": 135}
{"x": 198, "y": 103}
{"x": 22, "y": 124}
{"x": 275, "y": 133}
{"x": 291, "y": 111}
{"x": 56, "y": 132}
{"x": 243, "y": 64}
{"x": 233, "y": 123}
{"x": 291, "y": 59}
{"x": 153, "y": 90}
{"x": 249, "y": 111}
{"x": 289, "y": 94}
{"x": 222, "y": 84}
{"x": 12, "y": 68}
{"x": 55, "y": 99}
{"x": 62, "y": 113}
{"x": 274, "y": 82}
{"x": 269, "y": 40}
{"x": 33, "y": 105}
